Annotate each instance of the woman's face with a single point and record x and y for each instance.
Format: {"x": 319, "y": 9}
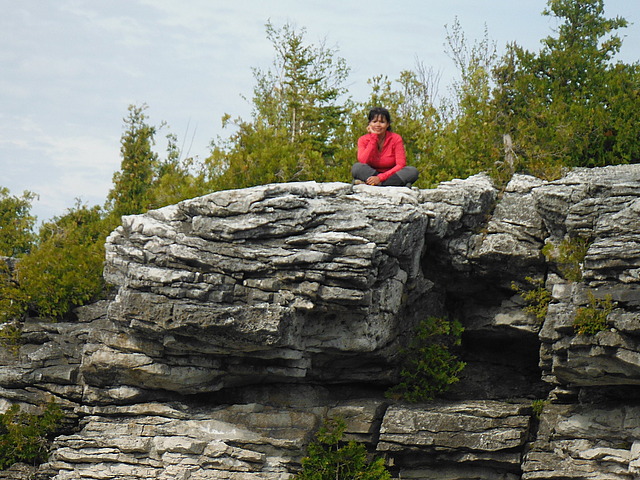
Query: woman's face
{"x": 379, "y": 124}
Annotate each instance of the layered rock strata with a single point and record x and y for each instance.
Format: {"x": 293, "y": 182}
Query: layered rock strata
{"x": 295, "y": 282}
{"x": 243, "y": 319}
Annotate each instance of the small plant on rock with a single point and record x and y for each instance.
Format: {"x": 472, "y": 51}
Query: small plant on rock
{"x": 24, "y": 436}
{"x": 568, "y": 256}
{"x": 328, "y": 458}
{"x": 536, "y": 297}
{"x": 429, "y": 368}
{"x": 593, "y": 318}
{"x": 538, "y": 407}
{"x": 10, "y": 337}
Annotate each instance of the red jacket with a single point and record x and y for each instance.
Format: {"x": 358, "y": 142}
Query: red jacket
{"x": 388, "y": 161}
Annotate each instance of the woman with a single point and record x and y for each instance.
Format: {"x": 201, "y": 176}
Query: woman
{"x": 381, "y": 157}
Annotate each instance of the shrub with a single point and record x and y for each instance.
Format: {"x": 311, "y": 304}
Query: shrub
{"x": 568, "y": 256}
{"x": 10, "y": 337}
{"x": 62, "y": 272}
{"x": 16, "y": 223}
{"x": 538, "y": 407}
{"x": 593, "y": 318}
{"x": 537, "y": 297}
{"x": 24, "y": 436}
{"x": 428, "y": 367}
{"x": 327, "y": 459}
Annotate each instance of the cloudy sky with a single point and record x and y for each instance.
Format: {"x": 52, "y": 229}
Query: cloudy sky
{"x": 70, "y": 68}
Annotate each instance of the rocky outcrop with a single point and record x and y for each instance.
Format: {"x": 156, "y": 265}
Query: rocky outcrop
{"x": 244, "y": 318}
{"x": 281, "y": 283}
{"x": 586, "y": 441}
{"x": 603, "y": 210}
{"x": 472, "y": 439}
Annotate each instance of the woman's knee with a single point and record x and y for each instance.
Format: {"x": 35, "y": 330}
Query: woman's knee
{"x": 412, "y": 174}
{"x": 408, "y": 174}
{"x": 362, "y": 171}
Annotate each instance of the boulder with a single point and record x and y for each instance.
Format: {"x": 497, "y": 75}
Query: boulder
{"x": 277, "y": 283}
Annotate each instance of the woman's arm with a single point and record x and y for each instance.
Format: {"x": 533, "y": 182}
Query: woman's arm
{"x": 367, "y": 147}
{"x": 399, "y": 156}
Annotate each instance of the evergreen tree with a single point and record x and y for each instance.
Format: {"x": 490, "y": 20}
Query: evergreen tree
{"x": 145, "y": 181}
{"x": 16, "y": 223}
{"x": 132, "y": 183}
{"x": 569, "y": 104}
{"x": 330, "y": 458}
{"x": 297, "y": 124}
{"x": 174, "y": 179}
{"x": 63, "y": 270}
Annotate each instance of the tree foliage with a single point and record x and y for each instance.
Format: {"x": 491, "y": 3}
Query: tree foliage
{"x": 145, "y": 181}
{"x": 175, "y": 178}
{"x": 16, "y": 223}
{"x": 469, "y": 142}
{"x": 297, "y": 124}
{"x": 132, "y": 183}
{"x": 570, "y": 104}
{"x": 24, "y": 436}
{"x": 429, "y": 367}
{"x": 329, "y": 458}
{"x": 63, "y": 271}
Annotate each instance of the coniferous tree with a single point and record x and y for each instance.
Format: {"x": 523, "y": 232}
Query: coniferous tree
{"x": 16, "y": 223}
{"x": 570, "y": 104}
{"x": 132, "y": 183}
{"x": 298, "y": 121}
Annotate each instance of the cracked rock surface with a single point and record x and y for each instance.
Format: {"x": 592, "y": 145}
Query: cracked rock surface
{"x": 242, "y": 319}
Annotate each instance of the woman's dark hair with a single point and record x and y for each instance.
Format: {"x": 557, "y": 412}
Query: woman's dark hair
{"x": 380, "y": 112}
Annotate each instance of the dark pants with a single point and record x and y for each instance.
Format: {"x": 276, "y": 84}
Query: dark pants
{"x": 362, "y": 171}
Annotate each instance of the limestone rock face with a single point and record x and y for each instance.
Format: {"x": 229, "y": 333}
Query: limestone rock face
{"x": 242, "y": 319}
{"x": 483, "y": 437}
{"x": 274, "y": 283}
{"x": 578, "y": 442}
{"x": 601, "y": 208}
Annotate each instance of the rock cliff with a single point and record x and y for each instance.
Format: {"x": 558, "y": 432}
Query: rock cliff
{"x": 244, "y": 318}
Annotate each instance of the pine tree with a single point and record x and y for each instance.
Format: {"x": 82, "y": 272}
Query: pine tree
{"x": 298, "y": 122}
{"x": 132, "y": 183}
{"x": 570, "y": 104}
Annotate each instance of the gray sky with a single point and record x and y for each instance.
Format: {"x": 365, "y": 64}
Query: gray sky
{"x": 70, "y": 68}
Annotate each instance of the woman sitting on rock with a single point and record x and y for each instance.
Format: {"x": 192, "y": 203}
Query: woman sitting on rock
{"x": 381, "y": 157}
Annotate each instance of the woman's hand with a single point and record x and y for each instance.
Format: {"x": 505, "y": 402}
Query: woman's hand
{"x": 373, "y": 180}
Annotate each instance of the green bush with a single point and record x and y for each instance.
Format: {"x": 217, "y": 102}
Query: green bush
{"x": 537, "y": 298}
{"x": 328, "y": 459}
{"x": 593, "y": 318}
{"x": 16, "y": 223}
{"x": 24, "y": 436}
{"x": 10, "y": 337}
{"x": 568, "y": 256}
{"x": 538, "y": 407}
{"x": 428, "y": 367}
{"x": 63, "y": 271}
